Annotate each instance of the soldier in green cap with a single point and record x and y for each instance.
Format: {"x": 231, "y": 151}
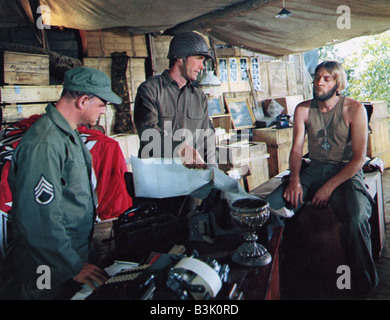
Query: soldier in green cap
{"x": 54, "y": 205}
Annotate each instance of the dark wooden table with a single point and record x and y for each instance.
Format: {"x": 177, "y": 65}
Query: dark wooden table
{"x": 255, "y": 283}
{"x": 261, "y": 283}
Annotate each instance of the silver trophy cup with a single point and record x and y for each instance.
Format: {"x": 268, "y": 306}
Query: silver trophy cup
{"x": 250, "y": 214}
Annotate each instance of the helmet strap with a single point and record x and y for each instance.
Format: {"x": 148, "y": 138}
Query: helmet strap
{"x": 185, "y": 68}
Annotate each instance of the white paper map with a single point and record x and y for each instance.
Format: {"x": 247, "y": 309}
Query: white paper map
{"x": 162, "y": 178}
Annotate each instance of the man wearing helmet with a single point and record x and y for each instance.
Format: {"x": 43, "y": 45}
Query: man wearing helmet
{"x": 170, "y": 112}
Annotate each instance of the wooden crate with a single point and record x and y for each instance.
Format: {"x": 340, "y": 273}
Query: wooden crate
{"x": 223, "y": 121}
{"x": 379, "y": 138}
{"x": 379, "y": 109}
{"x": 248, "y": 159}
{"x": 259, "y": 172}
{"x": 279, "y": 142}
{"x": 378, "y": 145}
{"x": 160, "y": 48}
{"x": 102, "y": 64}
{"x": 14, "y": 113}
{"x": 135, "y": 73}
{"x": 139, "y": 46}
{"x": 129, "y": 144}
{"x": 25, "y": 68}
{"x": 102, "y": 43}
{"x": 273, "y": 136}
{"x": 21, "y": 102}
{"x": 278, "y": 159}
{"x": 240, "y": 153}
{"x": 384, "y": 156}
{"x": 29, "y": 94}
{"x": 253, "y": 174}
{"x": 225, "y": 50}
{"x": 107, "y": 120}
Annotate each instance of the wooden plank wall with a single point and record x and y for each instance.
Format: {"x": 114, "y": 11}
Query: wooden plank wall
{"x": 379, "y": 137}
{"x": 100, "y": 44}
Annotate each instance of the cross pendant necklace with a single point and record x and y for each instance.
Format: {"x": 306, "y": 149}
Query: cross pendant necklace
{"x": 325, "y": 145}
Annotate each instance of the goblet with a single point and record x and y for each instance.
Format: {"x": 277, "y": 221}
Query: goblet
{"x": 250, "y": 214}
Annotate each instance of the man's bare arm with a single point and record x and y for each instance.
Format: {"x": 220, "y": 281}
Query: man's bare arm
{"x": 356, "y": 118}
{"x": 293, "y": 192}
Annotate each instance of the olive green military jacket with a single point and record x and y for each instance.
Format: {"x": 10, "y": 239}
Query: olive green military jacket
{"x": 165, "y": 115}
{"x": 53, "y": 200}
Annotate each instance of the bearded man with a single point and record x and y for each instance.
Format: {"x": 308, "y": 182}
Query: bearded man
{"x": 337, "y": 132}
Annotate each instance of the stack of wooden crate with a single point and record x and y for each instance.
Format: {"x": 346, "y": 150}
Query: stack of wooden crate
{"x": 25, "y": 86}
{"x": 279, "y": 142}
{"x": 245, "y": 161}
{"x": 135, "y": 73}
{"x": 25, "y": 68}
{"x": 379, "y": 138}
{"x": 19, "y": 102}
{"x": 135, "y": 76}
{"x": 160, "y": 48}
{"x": 100, "y": 44}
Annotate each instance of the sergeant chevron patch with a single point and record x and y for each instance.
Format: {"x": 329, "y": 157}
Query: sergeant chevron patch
{"x": 44, "y": 192}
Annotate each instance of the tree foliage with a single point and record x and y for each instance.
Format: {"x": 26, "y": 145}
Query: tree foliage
{"x": 369, "y": 70}
{"x": 367, "y": 67}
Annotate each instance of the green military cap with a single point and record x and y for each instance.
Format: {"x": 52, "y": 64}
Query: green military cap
{"x": 89, "y": 80}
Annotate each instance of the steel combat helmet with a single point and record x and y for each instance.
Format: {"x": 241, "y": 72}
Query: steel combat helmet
{"x": 187, "y": 44}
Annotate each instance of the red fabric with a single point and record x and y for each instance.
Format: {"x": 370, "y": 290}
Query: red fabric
{"x": 27, "y": 123}
{"x": 108, "y": 163}
{"x": 5, "y": 191}
{"x": 110, "y": 167}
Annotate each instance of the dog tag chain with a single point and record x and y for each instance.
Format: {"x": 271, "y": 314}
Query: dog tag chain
{"x": 325, "y": 145}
